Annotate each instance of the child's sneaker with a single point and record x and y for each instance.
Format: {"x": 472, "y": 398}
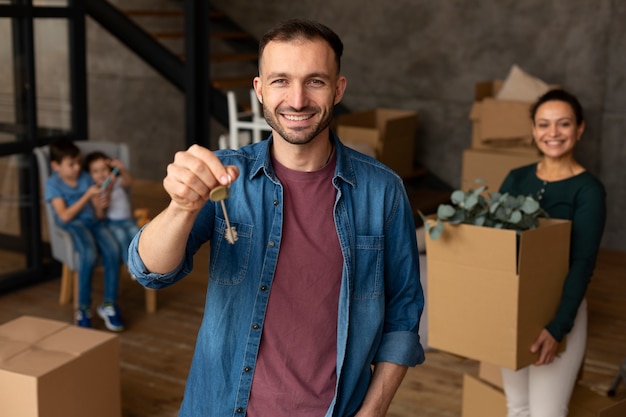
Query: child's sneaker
{"x": 110, "y": 313}
{"x": 83, "y": 317}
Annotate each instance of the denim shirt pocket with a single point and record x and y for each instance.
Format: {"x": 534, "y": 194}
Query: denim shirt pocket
{"x": 229, "y": 263}
{"x": 369, "y": 267}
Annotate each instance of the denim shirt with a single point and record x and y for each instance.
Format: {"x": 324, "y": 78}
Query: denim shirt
{"x": 380, "y": 301}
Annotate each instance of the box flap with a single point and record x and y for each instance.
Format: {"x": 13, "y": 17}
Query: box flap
{"x": 10, "y": 348}
{"x": 30, "y": 329}
{"x": 359, "y": 119}
{"x": 356, "y": 134}
{"x": 36, "y": 362}
{"x": 398, "y": 126}
{"x": 75, "y": 340}
{"x": 552, "y": 234}
{"x": 487, "y": 89}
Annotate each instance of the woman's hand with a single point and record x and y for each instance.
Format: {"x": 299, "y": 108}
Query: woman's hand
{"x": 547, "y": 346}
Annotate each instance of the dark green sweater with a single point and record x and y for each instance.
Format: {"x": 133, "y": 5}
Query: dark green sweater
{"x": 582, "y": 200}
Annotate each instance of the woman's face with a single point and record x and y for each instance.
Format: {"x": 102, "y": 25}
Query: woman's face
{"x": 555, "y": 129}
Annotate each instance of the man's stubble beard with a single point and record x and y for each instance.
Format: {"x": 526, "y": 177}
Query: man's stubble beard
{"x": 291, "y": 138}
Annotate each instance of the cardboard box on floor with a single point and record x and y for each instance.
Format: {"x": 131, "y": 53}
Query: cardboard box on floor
{"x": 390, "y": 132}
{"x": 500, "y": 125}
{"x": 490, "y": 373}
{"x": 491, "y": 166}
{"x": 490, "y": 291}
{"x": 481, "y": 399}
{"x": 53, "y": 369}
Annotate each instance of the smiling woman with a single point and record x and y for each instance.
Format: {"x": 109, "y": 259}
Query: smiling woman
{"x": 566, "y": 190}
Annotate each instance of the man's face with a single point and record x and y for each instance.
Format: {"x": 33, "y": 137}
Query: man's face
{"x": 298, "y": 85}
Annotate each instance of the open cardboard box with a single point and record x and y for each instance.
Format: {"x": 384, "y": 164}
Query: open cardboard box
{"x": 53, "y": 369}
{"x": 490, "y": 291}
{"x": 482, "y": 399}
{"x": 390, "y": 132}
{"x": 500, "y": 125}
{"x": 491, "y": 166}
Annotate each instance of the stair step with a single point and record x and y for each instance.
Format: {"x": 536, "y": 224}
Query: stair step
{"x": 227, "y": 83}
{"x": 235, "y": 57}
{"x": 166, "y": 13}
{"x": 153, "y": 13}
{"x": 213, "y": 35}
{"x": 229, "y": 35}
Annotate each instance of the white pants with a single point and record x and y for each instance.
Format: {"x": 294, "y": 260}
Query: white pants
{"x": 545, "y": 391}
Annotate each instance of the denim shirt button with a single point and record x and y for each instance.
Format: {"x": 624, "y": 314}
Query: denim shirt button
{"x": 263, "y": 287}
{"x": 275, "y": 202}
{"x": 246, "y": 369}
{"x": 271, "y": 244}
{"x": 255, "y": 326}
{"x": 239, "y": 410}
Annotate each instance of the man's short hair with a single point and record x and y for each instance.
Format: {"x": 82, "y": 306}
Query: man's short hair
{"x": 63, "y": 148}
{"x": 293, "y": 29}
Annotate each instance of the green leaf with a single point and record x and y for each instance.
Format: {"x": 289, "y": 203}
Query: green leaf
{"x": 445, "y": 211}
{"x": 530, "y": 206}
{"x": 436, "y": 231}
{"x": 516, "y": 217}
{"x": 457, "y": 197}
{"x": 471, "y": 201}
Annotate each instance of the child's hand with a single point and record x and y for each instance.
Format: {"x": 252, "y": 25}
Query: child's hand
{"x": 93, "y": 191}
{"x": 101, "y": 201}
{"x": 116, "y": 163}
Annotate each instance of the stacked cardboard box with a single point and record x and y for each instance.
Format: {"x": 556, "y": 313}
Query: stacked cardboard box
{"x": 501, "y": 137}
{"x": 53, "y": 369}
{"x": 491, "y": 291}
{"x": 483, "y": 397}
{"x": 389, "y": 132}
{"x": 500, "y": 125}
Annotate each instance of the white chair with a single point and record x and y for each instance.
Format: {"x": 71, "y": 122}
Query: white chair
{"x": 60, "y": 241}
{"x": 241, "y": 123}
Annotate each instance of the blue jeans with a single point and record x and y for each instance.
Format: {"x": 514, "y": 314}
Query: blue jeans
{"x": 123, "y": 230}
{"x": 90, "y": 240}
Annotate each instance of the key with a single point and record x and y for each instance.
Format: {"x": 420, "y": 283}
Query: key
{"x": 221, "y": 193}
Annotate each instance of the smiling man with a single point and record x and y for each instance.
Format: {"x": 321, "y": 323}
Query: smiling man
{"x": 314, "y": 310}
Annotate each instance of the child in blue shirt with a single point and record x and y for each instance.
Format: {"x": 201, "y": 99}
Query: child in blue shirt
{"x": 79, "y": 207}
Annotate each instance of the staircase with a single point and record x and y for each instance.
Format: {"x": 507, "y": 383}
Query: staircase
{"x": 233, "y": 53}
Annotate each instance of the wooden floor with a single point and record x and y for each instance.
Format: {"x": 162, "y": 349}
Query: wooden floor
{"x": 156, "y": 349}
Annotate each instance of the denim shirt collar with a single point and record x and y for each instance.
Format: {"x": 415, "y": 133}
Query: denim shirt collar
{"x": 343, "y": 171}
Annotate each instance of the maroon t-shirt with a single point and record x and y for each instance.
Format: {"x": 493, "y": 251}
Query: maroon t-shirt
{"x": 295, "y": 371}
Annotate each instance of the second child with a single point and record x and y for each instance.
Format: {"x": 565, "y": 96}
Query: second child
{"x": 103, "y": 170}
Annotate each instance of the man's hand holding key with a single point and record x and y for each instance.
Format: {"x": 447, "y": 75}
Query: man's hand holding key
{"x": 193, "y": 174}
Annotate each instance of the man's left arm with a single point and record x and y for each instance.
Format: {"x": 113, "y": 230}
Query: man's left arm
{"x": 385, "y": 382}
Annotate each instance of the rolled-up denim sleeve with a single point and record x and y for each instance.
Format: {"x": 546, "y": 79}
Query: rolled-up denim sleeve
{"x": 150, "y": 279}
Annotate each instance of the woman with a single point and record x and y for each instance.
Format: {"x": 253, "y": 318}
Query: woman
{"x": 565, "y": 190}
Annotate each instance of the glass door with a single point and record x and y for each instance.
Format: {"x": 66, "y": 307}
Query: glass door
{"x": 42, "y": 97}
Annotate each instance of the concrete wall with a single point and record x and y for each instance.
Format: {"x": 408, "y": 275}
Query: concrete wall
{"x": 412, "y": 54}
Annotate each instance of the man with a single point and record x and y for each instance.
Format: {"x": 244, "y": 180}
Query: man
{"x": 314, "y": 309}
